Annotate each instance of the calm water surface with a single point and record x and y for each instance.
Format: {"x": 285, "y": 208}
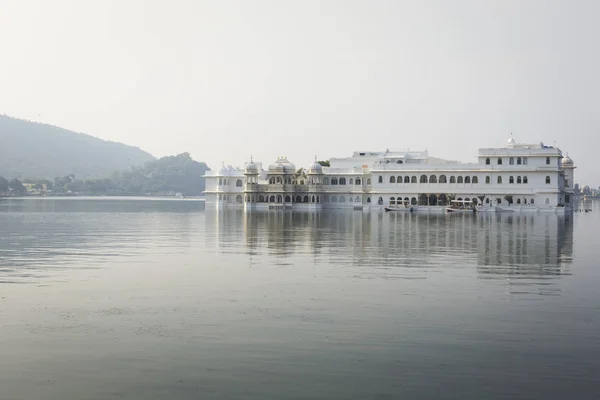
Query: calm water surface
{"x": 156, "y": 299}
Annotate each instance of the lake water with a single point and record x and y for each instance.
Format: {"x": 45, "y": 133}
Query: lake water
{"x": 157, "y": 299}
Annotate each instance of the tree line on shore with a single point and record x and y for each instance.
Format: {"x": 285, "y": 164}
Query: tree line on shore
{"x": 168, "y": 175}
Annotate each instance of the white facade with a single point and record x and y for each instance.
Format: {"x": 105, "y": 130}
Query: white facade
{"x": 518, "y": 177}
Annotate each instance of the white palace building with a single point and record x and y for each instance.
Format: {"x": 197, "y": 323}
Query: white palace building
{"x": 518, "y": 177}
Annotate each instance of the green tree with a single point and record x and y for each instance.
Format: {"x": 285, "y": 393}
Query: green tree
{"x": 509, "y": 198}
{"x": 324, "y": 163}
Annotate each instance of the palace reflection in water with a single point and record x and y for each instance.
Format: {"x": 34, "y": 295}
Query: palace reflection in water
{"x": 500, "y": 245}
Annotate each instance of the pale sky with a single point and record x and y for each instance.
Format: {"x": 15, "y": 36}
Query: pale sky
{"x": 224, "y": 80}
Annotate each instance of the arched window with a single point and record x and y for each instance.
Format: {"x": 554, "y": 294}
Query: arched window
{"x": 423, "y": 179}
{"x": 238, "y": 183}
{"x": 272, "y": 199}
{"x": 467, "y": 179}
{"x": 357, "y": 181}
{"x": 518, "y": 160}
{"x": 413, "y": 201}
{"x": 399, "y": 179}
{"x": 547, "y": 200}
{"x": 368, "y": 199}
{"x": 525, "y": 162}
{"x": 413, "y": 179}
{"x": 511, "y": 179}
{"x": 288, "y": 199}
{"x": 475, "y": 179}
{"x": 443, "y": 179}
{"x": 519, "y": 179}
{"x": 511, "y": 161}
{"x": 392, "y": 201}
{"x": 271, "y": 180}
{"x": 342, "y": 181}
{"x": 524, "y": 179}
{"x": 350, "y": 181}
{"x": 487, "y": 161}
{"x": 334, "y": 181}
{"x": 532, "y": 201}
{"x": 298, "y": 199}
{"x": 547, "y": 180}
{"x": 278, "y": 179}
{"x": 407, "y": 179}
{"x": 238, "y": 198}
{"x": 220, "y": 181}
{"x": 313, "y": 199}
{"x": 548, "y": 163}
{"x": 459, "y": 179}
{"x": 380, "y": 201}
{"x": 452, "y": 179}
{"x": 357, "y": 199}
{"x": 392, "y": 179}
{"x": 499, "y": 161}
{"x": 518, "y": 201}
{"x": 261, "y": 198}
{"x": 368, "y": 181}
{"x": 487, "y": 201}
{"x": 326, "y": 181}
{"x": 433, "y": 179}
{"x": 499, "y": 179}
{"x": 305, "y": 199}
{"x": 406, "y": 200}
{"x": 487, "y": 179}
{"x": 279, "y": 198}
{"x": 380, "y": 179}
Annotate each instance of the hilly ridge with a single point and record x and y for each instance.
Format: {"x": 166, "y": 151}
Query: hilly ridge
{"x": 35, "y": 150}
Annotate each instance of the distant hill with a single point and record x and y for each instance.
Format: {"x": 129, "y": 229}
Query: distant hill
{"x": 34, "y": 150}
{"x": 166, "y": 176}
{"x": 179, "y": 174}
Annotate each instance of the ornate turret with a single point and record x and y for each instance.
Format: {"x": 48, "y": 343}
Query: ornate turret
{"x": 569, "y": 168}
{"x": 566, "y": 161}
{"x": 251, "y": 188}
{"x": 315, "y": 173}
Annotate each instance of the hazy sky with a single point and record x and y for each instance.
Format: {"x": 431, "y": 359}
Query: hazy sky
{"x": 227, "y": 79}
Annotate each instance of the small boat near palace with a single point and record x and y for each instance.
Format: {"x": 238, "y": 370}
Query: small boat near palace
{"x": 461, "y": 206}
{"x": 401, "y": 205}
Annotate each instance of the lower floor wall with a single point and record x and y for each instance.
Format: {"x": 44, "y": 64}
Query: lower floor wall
{"x": 374, "y": 207}
{"x": 378, "y": 200}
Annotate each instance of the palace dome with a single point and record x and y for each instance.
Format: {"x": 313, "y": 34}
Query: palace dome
{"x": 567, "y": 160}
{"x": 251, "y": 167}
{"x": 282, "y": 165}
{"x": 316, "y": 168}
{"x": 511, "y": 140}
